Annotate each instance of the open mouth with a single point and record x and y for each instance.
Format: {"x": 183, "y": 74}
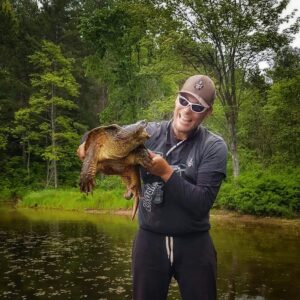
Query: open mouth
{"x": 185, "y": 120}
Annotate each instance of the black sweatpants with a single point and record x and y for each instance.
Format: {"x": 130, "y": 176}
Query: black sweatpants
{"x": 190, "y": 259}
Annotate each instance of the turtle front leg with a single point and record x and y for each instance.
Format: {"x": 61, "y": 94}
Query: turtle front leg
{"x": 88, "y": 171}
{"x": 142, "y": 156}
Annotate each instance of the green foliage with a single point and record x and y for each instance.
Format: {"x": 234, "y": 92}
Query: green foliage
{"x": 263, "y": 193}
{"x": 216, "y": 122}
{"x": 17, "y": 180}
{"x": 44, "y": 127}
{"x": 281, "y": 120}
{"x": 114, "y": 32}
{"x": 107, "y": 183}
{"x": 3, "y": 137}
{"x": 227, "y": 39}
{"x": 160, "y": 109}
{"x": 286, "y": 64}
{"x": 130, "y": 59}
{"x": 269, "y": 115}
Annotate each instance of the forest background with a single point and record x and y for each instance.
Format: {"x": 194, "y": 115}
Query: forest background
{"x": 68, "y": 66}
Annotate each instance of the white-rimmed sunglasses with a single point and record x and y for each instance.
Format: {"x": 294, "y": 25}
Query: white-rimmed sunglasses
{"x": 197, "y": 108}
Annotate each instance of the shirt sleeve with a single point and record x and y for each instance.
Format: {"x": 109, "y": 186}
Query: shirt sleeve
{"x": 198, "y": 198}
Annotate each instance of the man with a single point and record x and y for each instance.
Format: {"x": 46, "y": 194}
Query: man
{"x": 179, "y": 188}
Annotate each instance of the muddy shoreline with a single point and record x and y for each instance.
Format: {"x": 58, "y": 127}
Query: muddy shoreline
{"x": 220, "y": 215}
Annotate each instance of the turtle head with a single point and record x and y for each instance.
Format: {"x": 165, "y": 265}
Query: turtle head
{"x": 141, "y": 132}
{"x": 134, "y": 134}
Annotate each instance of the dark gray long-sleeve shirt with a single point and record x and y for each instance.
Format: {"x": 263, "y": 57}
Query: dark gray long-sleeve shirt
{"x": 188, "y": 195}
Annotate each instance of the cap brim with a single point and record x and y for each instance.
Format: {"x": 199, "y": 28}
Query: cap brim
{"x": 202, "y": 102}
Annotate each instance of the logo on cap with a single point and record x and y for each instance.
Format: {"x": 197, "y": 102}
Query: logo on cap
{"x": 199, "y": 85}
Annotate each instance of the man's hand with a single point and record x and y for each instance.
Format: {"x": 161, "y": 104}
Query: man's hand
{"x": 81, "y": 151}
{"x": 159, "y": 167}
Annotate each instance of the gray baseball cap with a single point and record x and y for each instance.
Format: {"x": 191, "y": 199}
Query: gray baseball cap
{"x": 200, "y": 87}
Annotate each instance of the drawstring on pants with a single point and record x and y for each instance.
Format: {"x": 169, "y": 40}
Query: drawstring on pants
{"x": 169, "y": 247}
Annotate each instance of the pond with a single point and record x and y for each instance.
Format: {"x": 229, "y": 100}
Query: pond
{"x": 70, "y": 255}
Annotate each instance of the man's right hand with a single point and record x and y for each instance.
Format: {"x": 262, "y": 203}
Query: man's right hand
{"x": 159, "y": 167}
{"x": 81, "y": 151}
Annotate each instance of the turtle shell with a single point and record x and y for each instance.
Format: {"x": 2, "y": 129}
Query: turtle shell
{"x": 116, "y": 150}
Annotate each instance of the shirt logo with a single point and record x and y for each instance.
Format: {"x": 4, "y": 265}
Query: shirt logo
{"x": 190, "y": 163}
{"x": 149, "y": 190}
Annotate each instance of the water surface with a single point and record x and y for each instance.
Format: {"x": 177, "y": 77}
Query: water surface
{"x": 69, "y": 255}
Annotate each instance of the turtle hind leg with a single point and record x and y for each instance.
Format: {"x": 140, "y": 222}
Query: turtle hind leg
{"x": 135, "y": 207}
{"x": 128, "y": 194}
{"x": 131, "y": 178}
{"x": 132, "y": 191}
{"x": 126, "y": 178}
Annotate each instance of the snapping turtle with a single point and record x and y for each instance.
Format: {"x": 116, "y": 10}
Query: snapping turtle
{"x": 115, "y": 150}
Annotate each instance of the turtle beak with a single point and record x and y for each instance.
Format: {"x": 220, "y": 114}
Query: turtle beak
{"x": 143, "y": 123}
{"x": 146, "y": 134}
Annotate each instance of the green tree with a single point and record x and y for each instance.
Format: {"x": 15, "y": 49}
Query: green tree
{"x": 123, "y": 37}
{"x": 282, "y": 110}
{"x": 282, "y": 121}
{"x": 45, "y": 126}
{"x": 227, "y": 38}
{"x": 8, "y": 37}
{"x": 286, "y": 64}
{"x": 269, "y": 115}
{"x": 18, "y": 35}
{"x": 254, "y": 141}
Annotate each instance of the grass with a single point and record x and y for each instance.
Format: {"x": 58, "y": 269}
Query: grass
{"x": 72, "y": 199}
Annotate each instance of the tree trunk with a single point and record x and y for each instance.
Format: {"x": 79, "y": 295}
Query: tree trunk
{"x": 48, "y": 174}
{"x": 234, "y": 153}
{"x": 230, "y": 104}
{"x": 55, "y": 173}
{"x": 232, "y": 120}
{"x": 53, "y": 142}
{"x": 28, "y": 161}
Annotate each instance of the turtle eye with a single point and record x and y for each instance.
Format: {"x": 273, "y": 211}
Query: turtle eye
{"x": 143, "y": 123}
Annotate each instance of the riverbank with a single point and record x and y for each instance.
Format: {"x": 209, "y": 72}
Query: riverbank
{"x": 256, "y": 192}
{"x": 216, "y": 215}
{"x": 221, "y": 215}
{"x": 111, "y": 201}
{"x": 229, "y": 216}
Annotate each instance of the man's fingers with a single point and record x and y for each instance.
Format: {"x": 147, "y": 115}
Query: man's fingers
{"x": 81, "y": 151}
{"x": 152, "y": 154}
{"x": 147, "y": 164}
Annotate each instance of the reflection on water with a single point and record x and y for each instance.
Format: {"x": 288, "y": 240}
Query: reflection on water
{"x": 257, "y": 261}
{"x": 55, "y": 255}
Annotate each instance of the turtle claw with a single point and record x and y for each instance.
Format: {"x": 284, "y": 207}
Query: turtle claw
{"x": 87, "y": 185}
{"x": 128, "y": 195}
{"x": 135, "y": 207}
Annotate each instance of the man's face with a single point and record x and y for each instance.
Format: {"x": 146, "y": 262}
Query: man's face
{"x": 185, "y": 120}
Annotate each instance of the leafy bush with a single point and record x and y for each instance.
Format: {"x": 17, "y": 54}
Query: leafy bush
{"x": 109, "y": 183}
{"x": 262, "y": 193}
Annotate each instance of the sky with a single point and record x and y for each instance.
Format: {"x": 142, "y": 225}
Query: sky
{"x": 292, "y": 5}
